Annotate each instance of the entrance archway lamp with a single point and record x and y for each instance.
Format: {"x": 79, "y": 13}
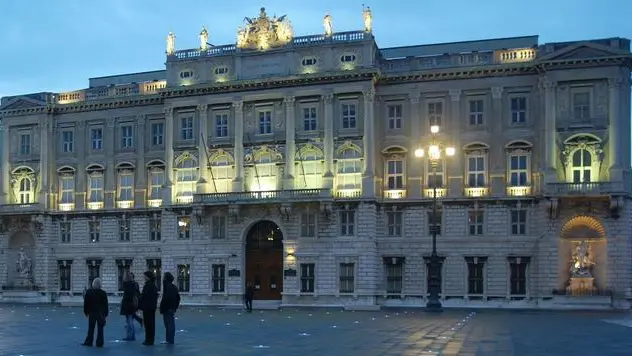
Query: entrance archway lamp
{"x": 434, "y": 153}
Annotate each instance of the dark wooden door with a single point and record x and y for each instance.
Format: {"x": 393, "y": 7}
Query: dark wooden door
{"x": 264, "y": 260}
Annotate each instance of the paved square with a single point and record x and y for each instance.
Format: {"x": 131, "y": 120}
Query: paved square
{"x": 50, "y": 330}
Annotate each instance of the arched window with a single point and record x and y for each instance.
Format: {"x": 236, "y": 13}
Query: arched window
{"x": 26, "y": 193}
{"x": 349, "y": 171}
{"x": 264, "y": 173}
{"x": 309, "y": 169}
{"x": 222, "y": 173}
{"x": 187, "y": 176}
{"x": 581, "y": 166}
{"x": 66, "y": 188}
{"x": 23, "y": 186}
{"x": 125, "y": 185}
{"x": 156, "y": 178}
{"x": 95, "y": 186}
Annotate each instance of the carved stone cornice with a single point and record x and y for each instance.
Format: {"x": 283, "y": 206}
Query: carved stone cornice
{"x": 289, "y": 101}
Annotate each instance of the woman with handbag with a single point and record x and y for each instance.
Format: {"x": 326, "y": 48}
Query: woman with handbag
{"x": 95, "y": 308}
{"x": 129, "y": 306}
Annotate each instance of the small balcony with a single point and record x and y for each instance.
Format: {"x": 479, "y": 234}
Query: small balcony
{"x": 95, "y": 205}
{"x": 271, "y": 196}
{"x": 519, "y": 191}
{"x": 19, "y": 208}
{"x": 154, "y": 203}
{"x": 475, "y": 192}
{"x": 66, "y": 206}
{"x": 395, "y": 194}
{"x": 125, "y": 204}
{"x": 441, "y": 192}
{"x": 583, "y": 189}
{"x": 347, "y": 193}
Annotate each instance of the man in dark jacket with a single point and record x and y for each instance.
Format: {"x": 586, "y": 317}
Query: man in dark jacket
{"x": 248, "y": 296}
{"x": 148, "y": 303}
{"x": 129, "y": 306}
{"x": 95, "y": 308}
{"x": 168, "y": 307}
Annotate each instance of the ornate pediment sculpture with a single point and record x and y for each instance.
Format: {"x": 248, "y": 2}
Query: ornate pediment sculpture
{"x": 262, "y": 32}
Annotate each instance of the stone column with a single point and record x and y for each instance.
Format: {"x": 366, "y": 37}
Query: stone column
{"x": 167, "y": 197}
{"x": 6, "y": 167}
{"x": 80, "y": 175}
{"x": 550, "y": 134}
{"x": 110, "y": 169}
{"x": 414, "y": 164}
{"x": 238, "y": 183}
{"x": 615, "y": 129}
{"x": 368, "y": 178}
{"x": 497, "y": 159}
{"x": 454, "y": 175}
{"x": 202, "y": 186}
{"x": 328, "y": 145}
{"x": 46, "y": 151}
{"x": 290, "y": 142}
{"x": 140, "y": 179}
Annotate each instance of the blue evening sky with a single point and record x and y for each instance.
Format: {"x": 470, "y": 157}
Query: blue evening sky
{"x": 57, "y": 45}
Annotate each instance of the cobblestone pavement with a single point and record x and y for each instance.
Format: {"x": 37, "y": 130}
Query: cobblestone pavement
{"x": 49, "y": 330}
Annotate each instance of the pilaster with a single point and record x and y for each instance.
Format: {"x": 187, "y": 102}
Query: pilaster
{"x": 140, "y": 192}
{"x": 110, "y": 169}
{"x": 328, "y": 182}
{"x": 455, "y": 166}
{"x": 45, "y": 153}
{"x": 550, "y": 133}
{"x": 615, "y": 131}
{"x": 368, "y": 178}
{"x": 496, "y": 155}
{"x": 414, "y": 165}
{"x": 80, "y": 174}
{"x": 202, "y": 185}
{"x": 238, "y": 183}
{"x": 168, "y": 191}
{"x": 6, "y": 166}
{"x": 290, "y": 142}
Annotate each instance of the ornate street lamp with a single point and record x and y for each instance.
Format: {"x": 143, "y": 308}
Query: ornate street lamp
{"x": 434, "y": 152}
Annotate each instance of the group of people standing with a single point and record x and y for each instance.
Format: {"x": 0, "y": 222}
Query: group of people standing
{"x": 96, "y": 308}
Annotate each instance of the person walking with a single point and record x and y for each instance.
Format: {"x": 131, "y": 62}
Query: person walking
{"x": 147, "y": 304}
{"x": 95, "y": 308}
{"x": 168, "y": 307}
{"x": 129, "y": 306}
{"x": 248, "y": 296}
{"x": 137, "y": 289}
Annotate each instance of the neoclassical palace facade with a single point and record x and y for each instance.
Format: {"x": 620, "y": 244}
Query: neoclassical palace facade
{"x": 289, "y": 162}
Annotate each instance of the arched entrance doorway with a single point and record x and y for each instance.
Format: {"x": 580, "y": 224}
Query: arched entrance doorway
{"x": 264, "y": 260}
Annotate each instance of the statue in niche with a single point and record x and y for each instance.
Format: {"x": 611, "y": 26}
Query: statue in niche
{"x": 171, "y": 43}
{"x": 582, "y": 260}
{"x": 368, "y": 19}
{"x": 328, "y": 27}
{"x": 203, "y": 39}
{"x": 23, "y": 264}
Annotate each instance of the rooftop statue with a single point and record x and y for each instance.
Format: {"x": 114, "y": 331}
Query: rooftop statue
{"x": 328, "y": 27}
{"x": 368, "y": 19}
{"x": 263, "y": 32}
{"x": 171, "y": 43}
{"x": 203, "y": 39}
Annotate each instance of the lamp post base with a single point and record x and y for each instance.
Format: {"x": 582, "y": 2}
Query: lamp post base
{"x": 434, "y": 306}
{"x": 434, "y": 283}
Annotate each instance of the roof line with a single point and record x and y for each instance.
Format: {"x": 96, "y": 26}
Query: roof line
{"x": 460, "y": 42}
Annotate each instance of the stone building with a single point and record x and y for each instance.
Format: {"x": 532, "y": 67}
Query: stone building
{"x": 288, "y": 162}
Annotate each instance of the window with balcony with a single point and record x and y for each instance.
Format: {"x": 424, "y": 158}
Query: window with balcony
{"x": 476, "y": 162}
{"x": 157, "y": 134}
{"x": 222, "y": 173}
{"x": 347, "y": 222}
{"x": 127, "y": 137}
{"x": 187, "y": 176}
{"x": 24, "y": 186}
{"x": 66, "y": 188}
{"x": 310, "y": 120}
{"x": 25, "y": 144}
{"x": 125, "y": 194}
{"x": 349, "y": 171}
{"x": 265, "y": 122}
{"x": 518, "y": 221}
{"x": 395, "y": 174}
{"x": 349, "y": 111}
{"x": 219, "y": 227}
{"x": 435, "y": 113}
{"x": 475, "y": 221}
{"x": 394, "y": 116}
{"x": 95, "y": 186}
{"x": 219, "y": 278}
{"x": 394, "y": 223}
{"x": 435, "y": 173}
{"x": 156, "y": 172}
{"x": 308, "y": 277}
{"x": 518, "y": 110}
{"x": 519, "y": 168}
{"x": 67, "y": 141}
{"x": 582, "y": 155}
{"x": 476, "y": 111}
{"x": 309, "y": 168}
{"x": 155, "y": 228}
{"x": 184, "y": 278}
{"x": 582, "y": 166}
{"x": 94, "y": 230}
{"x": 347, "y": 278}
{"x": 96, "y": 138}
{"x": 221, "y": 125}
{"x": 264, "y": 173}
{"x": 475, "y": 275}
{"x": 581, "y": 104}
{"x": 308, "y": 225}
{"x": 394, "y": 267}
{"x": 125, "y": 226}
{"x": 186, "y": 128}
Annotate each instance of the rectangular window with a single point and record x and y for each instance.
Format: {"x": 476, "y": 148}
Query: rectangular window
{"x": 124, "y": 229}
{"x": 156, "y": 181}
{"x": 65, "y": 277}
{"x": 518, "y": 171}
{"x": 347, "y": 278}
{"x": 394, "y": 275}
{"x": 221, "y": 125}
{"x": 184, "y": 227}
{"x": 310, "y": 121}
{"x": 394, "y": 223}
{"x": 518, "y": 222}
{"x": 186, "y": 128}
{"x": 581, "y": 105}
{"x": 219, "y": 278}
{"x": 126, "y": 185}
{"x": 67, "y": 189}
{"x": 347, "y": 223}
{"x": 265, "y": 122}
{"x": 518, "y": 110}
{"x": 155, "y": 228}
{"x": 127, "y": 136}
{"x": 155, "y": 266}
{"x": 395, "y": 174}
{"x": 435, "y": 173}
{"x": 94, "y": 230}
{"x": 157, "y": 134}
{"x": 96, "y": 138}
{"x": 434, "y": 222}
{"x": 95, "y": 181}
{"x": 25, "y": 144}
{"x": 349, "y": 174}
{"x": 348, "y": 116}
{"x": 67, "y": 141}
{"x": 308, "y": 225}
{"x": 475, "y": 222}
{"x": 435, "y": 113}
{"x": 121, "y": 270}
{"x": 65, "y": 231}
{"x": 476, "y": 172}
{"x": 475, "y": 276}
{"x": 394, "y": 114}
{"x": 219, "y": 226}
{"x": 476, "y": 112}
{"x": 184, "y": 278}
{"x": 518, "y": 278}
{"x": 94, "y": 271}
{"x": 308, "y": 277}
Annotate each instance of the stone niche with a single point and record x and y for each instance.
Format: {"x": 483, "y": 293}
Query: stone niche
{"x": 20, "y": 241}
